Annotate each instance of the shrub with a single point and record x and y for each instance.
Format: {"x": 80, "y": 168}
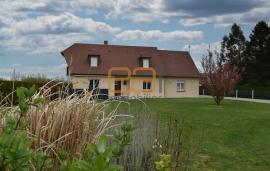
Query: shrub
{"x": 15, "y": 146}
{"x": 97, "y": 157}
{"x": 7, "y": 91}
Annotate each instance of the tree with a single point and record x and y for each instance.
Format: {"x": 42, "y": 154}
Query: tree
{"x": 219, "y": 77}
{"x": 233, "y": 48}
{"x": 258, "y": 52}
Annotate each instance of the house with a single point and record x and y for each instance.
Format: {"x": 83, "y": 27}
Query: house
{"x": 117, "y": 70}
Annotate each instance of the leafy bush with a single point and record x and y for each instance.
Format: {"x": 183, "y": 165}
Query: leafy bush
{"x": 97, "y": 157}
{"x": 15, "y": 146}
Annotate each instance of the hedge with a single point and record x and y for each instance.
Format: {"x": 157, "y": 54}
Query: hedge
{"x": 6, "y": 86}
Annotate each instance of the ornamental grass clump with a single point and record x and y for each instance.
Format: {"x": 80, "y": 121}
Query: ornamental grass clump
{"x": 67, "y": 124}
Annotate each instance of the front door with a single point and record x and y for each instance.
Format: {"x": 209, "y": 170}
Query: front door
{"x": 117, "y": 88}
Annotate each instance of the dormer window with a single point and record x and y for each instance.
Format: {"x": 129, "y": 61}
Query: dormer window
{"x": 93, "y": 60}
{"x": 144, "y": 62}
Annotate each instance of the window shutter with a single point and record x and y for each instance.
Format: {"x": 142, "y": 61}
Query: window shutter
{"x": 140, "y": 62}
{"x": 99, "y": 61}
{"x": 67, "y": 70}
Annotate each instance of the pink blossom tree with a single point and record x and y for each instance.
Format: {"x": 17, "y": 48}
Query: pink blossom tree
{"x": 220, "y": 78}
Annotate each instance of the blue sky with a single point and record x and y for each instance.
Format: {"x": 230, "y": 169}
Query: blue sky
{"x": 33, "y": 33}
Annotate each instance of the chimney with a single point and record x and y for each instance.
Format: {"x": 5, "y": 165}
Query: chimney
{"x": 106, "y": 42}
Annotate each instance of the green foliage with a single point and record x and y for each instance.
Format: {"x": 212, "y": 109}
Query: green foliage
{"x": 252, "y": 56}
{"x": 15, "y": 146}
{"x": 35, "y": 79}
{"x": 6, "y": 87}
{"x": 15, "y": 150}
{"x": 233, "y": 48}
{"x": 164, "y": 163}
{"x": 122, "y": 138}
{"x": 177, "y": 142}
{"x": 40, "y": 160}
{"x": 258, "y": 52}
{"x": 98, "y": 157}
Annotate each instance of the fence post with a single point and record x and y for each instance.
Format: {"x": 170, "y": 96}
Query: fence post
{"x": 203, "y": 91}
{"x": 236, "y": 93}
{"x": 252, "y": 93}
{"x": 13, "y": 85}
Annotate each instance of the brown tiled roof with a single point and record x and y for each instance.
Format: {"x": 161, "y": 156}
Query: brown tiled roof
{"x": 166, "y": 63}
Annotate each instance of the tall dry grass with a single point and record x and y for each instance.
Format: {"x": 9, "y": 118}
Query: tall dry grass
{"x": 69, "y": 123}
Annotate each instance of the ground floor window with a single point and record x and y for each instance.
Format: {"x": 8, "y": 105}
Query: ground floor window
{"x": 146, "y": 85}
{"x": 93, "y": 85}
{"x": 180, "y": 86}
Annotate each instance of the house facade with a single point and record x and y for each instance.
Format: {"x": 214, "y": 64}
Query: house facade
{"x": 133, "y": 71}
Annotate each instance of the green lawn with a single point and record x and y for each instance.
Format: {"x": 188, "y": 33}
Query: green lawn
{"x": 236, "y": 135}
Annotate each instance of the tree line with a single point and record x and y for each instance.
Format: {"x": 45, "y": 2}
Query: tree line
{"x": 240, "y": 61}
{"x": 252, "y": 56}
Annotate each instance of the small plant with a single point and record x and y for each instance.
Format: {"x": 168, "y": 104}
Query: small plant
{"x": 97, "y": 157}
{"x": 164, "y": 163}
{"x": 179, "y": 143}
{"x": 122, "y": 138}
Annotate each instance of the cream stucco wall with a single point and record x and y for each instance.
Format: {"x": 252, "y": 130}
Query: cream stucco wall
{"x": 82, "y": 82}
{"x": 136, "y": 87}
{"x": 161, "y": 87}
{"x": 191, "y": 87}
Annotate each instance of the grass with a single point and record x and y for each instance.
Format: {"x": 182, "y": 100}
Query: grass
{"x": 236, "y": 134}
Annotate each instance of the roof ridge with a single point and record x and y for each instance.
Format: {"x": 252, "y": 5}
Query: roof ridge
{"x": 181, "y": 51}
{"x": 115, "y": 45}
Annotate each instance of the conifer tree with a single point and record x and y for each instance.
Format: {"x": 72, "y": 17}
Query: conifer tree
{"x": 233, "y": 48}
{"x": 258, "y": 52}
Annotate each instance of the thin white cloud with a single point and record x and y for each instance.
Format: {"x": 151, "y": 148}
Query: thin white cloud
{"x": 159, "y": 35}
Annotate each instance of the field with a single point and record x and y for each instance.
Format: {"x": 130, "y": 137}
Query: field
{"x": 236, "y": 135}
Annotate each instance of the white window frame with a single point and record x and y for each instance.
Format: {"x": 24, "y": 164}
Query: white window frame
{"x": 146, "y": 63}
{"x": 180, "y": 86}
{"x": 93, "y": 61}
